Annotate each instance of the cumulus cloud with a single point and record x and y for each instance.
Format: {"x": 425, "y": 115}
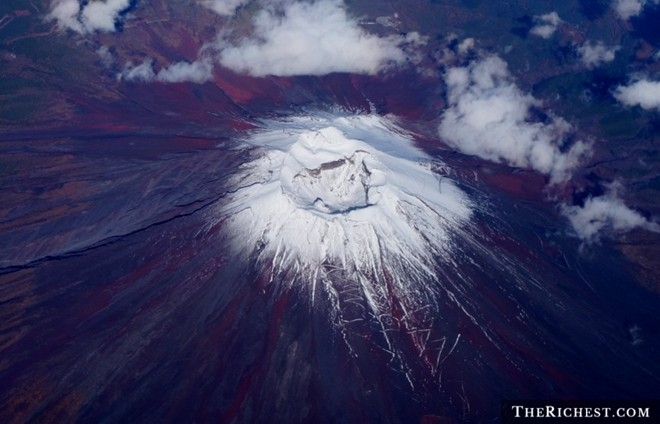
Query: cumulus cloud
{"x": 466, "y": 45}
{"x": 301, "y": 38}
{"x": 88, "y": 16}
{"x": 224, "y": 7}
{"x": 105, "y": 56}
{"x": 66, "y": 12}
{"x": 594, "y": 54}
{"x": 642, "y": 93}
{"x": 142, "y": 72}
{"x": 546, "y": 25}
{"x": 289, "y": 38}
{"x": 626, "y": 9}
{"x": 605, "y": 213}
{"x": 198, "y": 72}
{"x": 488, "y": 116}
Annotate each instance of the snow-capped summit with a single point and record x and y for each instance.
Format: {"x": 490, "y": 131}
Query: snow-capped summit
{"x": 343, "y": 190}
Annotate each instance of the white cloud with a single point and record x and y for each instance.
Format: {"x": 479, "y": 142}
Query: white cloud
{"x": 627, "y": 9}
{"x": 142, "y": 72}
{"x": 66, "y": 13}
{"x": 488, "y": 116}
{"x": 102, "y": 15}
{"x": 316, "y": 38}
{"x": 198, "y": 72}
{"x": 224, "y": 7}
{"x": 106, "y": 57}
{"x": 594, "y": 54}
{"x": 466, "y": 45}
{"x": 290, "y": 38}
{"x": 546, "y": 25}
{"x": 607, "y": 212}
{"x": 88, "y": 17}
{"x": 642, "y": 93}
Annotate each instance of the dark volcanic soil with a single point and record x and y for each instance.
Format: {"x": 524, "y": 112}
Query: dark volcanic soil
{"x": 120, "y": 302}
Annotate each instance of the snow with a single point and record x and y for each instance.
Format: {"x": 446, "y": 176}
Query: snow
{"x": 352, "y": 191}
{"x": 345, "y": 209}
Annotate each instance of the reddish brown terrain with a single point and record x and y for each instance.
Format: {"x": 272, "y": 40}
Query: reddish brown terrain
{"x": 121, "y": 299}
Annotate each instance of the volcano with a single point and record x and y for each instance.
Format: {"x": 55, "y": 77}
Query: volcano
{"x": 324, "y": 211}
